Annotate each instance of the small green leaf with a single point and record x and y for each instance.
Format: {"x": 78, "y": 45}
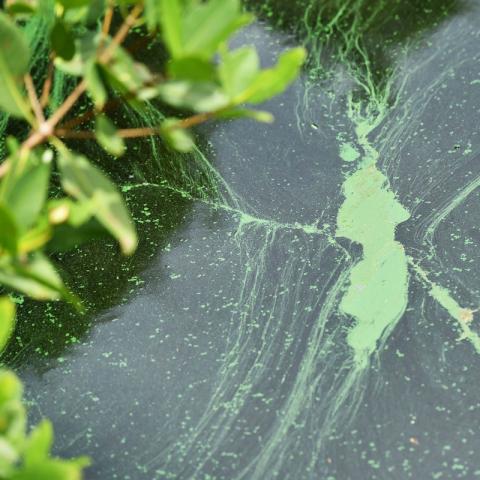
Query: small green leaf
{"x": 191, "y": 68}
{"x": 171, "y": 24}
{"x": 274, "y": 81}
{"x": 37, "y": 278}
{"x": 14, "y": 60}
{"x": 178, "y": 138}
{"x": 39, "y": 444}
{"x": 258, "y": 115}
{"x": 35, "y": 238}
{"x": 196, "y": 96}
{"x": 8, "y": 456}
{"x": 27, "y": 195}
{"x": 8, "y": 231}
{"x": 85, "y": 52}
{"x": 96, "y": 10}
{"x": 207, "y": 25}
{"x": 11, "y": 388}
{"x": 63, "y": 43}
{"x": 73, "y": 3}
{"x": 66, "y": 237}
{"x": 95, "y": 86}
{"x": 21, "y": 8}
{"x": 127, "y": 74}
{"x": 84, "y": 181}
{"x": 238, "y": 69}
{"x": 107, "y": 136}
{"x": 7, "y": 320}
{"x": 50, "y": 470}
{"x": 14, "y": 47}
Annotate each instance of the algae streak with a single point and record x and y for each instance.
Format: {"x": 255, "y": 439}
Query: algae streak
{"x": 378, "y": 292}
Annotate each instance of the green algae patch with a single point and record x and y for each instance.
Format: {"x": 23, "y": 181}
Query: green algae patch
{"x": 348, "y": 152}
{"x": 378, "y": 292}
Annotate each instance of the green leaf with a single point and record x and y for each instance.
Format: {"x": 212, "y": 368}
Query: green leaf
{"x": 7, "y": 320}
{"x": 9, "y": 456}
{"x": 39, "y": 443}
{"x": 62, "y": 40}
{"x": 128, "y": 74}
{"x": 14, "y": 47}
{"x": 171, "y": 24}
{"x": 207, "y": 25}
{"x": 274, "y": 81}
{"x": 258, "y": 115}
{"x": 196, "y": 96}
{"x": 14, "y": 60}
{"x": 85, "y": 52}
{"x": 11, "y": 388}
{"x": 191, "y": 68}
{"x": 8, "y": 231}
{"x": 35, "y": 238}
{"x": 50, "y": 470}
{"x": 178, "y": 138}
{"x": 27, "y": 195}
{"x": 95, "y": 87}
{"x": 37, "y": 278}
{"x": 84, "y": 181}
{"x": 96, "y": 10}
{"x": 238, "y": 69}
{"x": 66, "y": 237}
{"x": 107, "y": 136}
{"x": 73, "y": 3}
{"x": 21, "y": 8}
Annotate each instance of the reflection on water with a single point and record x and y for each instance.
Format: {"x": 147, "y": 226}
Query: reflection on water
{"x": 303, "y": 304}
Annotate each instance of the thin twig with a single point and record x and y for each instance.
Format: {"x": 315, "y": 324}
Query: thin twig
{"x": 122, "y": 32}
{"x": 47, "y": 86}
{"x": 139, "y": 132}
{"x": 124, "y": 133}
{"x": 195, "y": 120}
{"x": 107, "y": 21}
{"x": 67, "y": 104}
{"x": 34, "y": 101}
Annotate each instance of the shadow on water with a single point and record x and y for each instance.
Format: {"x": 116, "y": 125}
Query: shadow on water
{"x": 96, "y": 271}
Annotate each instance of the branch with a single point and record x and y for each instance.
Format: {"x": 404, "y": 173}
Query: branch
{"x": 139, "y": 132}
{"x": 67, "y": 104}
{"x": 119, "y": 37}
{"x": 107, "y": 21}
{"x": 47, "y": 86}
{"x": 124, "y": 133}
{"x": 34, "y": 101}
{"x": 46, "y": 128}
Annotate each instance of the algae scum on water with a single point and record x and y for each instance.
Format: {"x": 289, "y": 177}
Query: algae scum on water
{"x": 303, "y": 304}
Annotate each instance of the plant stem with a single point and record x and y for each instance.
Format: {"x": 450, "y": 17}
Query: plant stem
{"x": 122, "y": 32}
{"x": 107, "y": 21}
{"x": 139, "y": 132}
{"x": 34, "y": 101}
{"x": 47, "y": 86}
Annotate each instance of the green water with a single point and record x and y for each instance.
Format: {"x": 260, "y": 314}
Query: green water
{"x": 303, "y": 302}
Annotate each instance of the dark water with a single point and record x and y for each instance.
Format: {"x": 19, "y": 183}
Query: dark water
{"x": 224, "y": 348}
